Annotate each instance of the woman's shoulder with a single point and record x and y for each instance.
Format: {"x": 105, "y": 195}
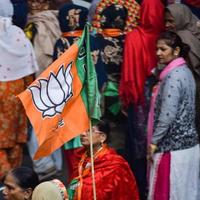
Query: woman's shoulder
{"x": 18, "y": 37}
{"x": 114, "y": 158}
{"x": 182, "y": 70}
{"x": 117, "y": 165}
{"x": 18, "y": 32}
{"x": 187, "y": 36}
{"x": 180, "y": 76}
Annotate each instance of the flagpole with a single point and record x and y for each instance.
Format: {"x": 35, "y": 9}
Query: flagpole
{"x": 92, "y": 163}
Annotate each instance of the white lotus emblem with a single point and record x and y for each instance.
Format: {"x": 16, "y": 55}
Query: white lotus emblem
{"x": 52, "y": 94}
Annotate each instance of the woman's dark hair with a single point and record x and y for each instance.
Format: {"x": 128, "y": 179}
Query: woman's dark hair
{"x": 104, "y": 127}
{"x": 173, "y": 40}
{"x": 25, "y": 177}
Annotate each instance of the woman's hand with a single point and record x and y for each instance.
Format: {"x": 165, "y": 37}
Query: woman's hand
{"x": 124, "y": 112}
{"x": 151, "y": 150}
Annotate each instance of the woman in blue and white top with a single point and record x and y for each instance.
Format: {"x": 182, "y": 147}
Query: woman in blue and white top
{"x": 174, "y": 154}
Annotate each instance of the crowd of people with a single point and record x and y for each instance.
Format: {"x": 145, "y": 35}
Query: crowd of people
{"x": 147, "y": 60}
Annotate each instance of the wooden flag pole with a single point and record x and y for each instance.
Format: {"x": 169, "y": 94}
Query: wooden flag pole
{"x": 92, "y": 163}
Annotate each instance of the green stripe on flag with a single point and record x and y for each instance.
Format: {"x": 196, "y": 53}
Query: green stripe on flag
{"x": 87, "y": 74}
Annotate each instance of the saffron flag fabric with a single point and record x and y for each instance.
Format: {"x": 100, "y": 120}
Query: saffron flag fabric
{"x": 61, "y": 102}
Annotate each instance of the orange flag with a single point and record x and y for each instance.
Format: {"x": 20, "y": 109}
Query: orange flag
{"x": 57, "y": 102}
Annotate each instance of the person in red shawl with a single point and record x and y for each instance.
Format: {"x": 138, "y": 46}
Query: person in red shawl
{"x": 139, "y": 52}
{"x": 138, "y": 61}
{"x": 113, "y": 177}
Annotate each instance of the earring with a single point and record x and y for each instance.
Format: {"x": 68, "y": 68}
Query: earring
{"x": 176, "y": 54}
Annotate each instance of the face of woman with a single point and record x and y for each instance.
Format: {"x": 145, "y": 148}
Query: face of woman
{"x": 38, "y": 5}
{"x": 169, "y": 22}
{"x": 165, "y": 53}
{"x": 98, "y": 137}
{"x": 13, "y": 191}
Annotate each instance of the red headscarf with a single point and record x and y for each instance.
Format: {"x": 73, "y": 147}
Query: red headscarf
{"x": 140, "y": 52}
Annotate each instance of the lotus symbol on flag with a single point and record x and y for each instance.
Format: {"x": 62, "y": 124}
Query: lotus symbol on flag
{"x": 51, "y": 95}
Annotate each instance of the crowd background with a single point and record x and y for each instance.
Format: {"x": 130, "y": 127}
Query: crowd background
{"x": 124, "y": 35}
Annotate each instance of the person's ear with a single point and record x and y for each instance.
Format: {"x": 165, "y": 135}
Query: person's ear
{"x": 27, "y": 193}
{"x": 177, "y": 51}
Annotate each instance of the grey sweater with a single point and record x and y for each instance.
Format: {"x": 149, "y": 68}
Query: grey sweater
{"x": 174, "y": 119}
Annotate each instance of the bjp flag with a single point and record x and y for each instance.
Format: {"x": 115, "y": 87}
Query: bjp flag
{"x": 61, "y": 102}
